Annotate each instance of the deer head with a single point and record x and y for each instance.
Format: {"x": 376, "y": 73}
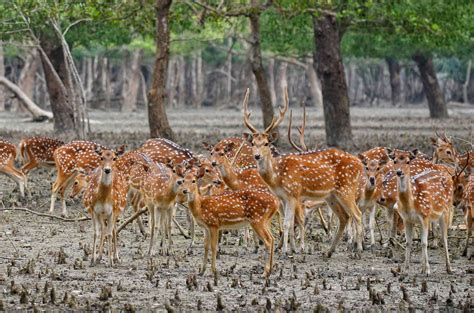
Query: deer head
{"x": 261, "y": 141}
{"x": 444, "y": 151}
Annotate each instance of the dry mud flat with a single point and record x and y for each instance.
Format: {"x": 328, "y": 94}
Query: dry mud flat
{"x": 44, "y": 263}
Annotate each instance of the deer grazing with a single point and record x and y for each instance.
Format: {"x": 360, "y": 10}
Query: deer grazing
{"x": 38, "y": 152}
{"x": 423, "y": 198}
{"x": 230, "y": 210}
{"x": 331, "y": 175}
{"x": 7, "y": 165}
{"x": 70, "y": 159}
{"x": 105, "y": 199}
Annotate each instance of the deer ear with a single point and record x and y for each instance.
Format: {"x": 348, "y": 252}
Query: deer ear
{"x": 390, "y": 153}
{"x": 273, "y": 137}
{"x": 120, "y": 150}
{"x": 169, "y": 163}
{"x": 413, "y": 153}
{"x": 362, "y": 158}
{"x": 248, "y": 137}
{"x": 229, "y": 147}
{"x": 434, "y": 142}
{"x": 383, "y": 161}
{"x": 207, "y": 146}
{"x": 98, "y": 151}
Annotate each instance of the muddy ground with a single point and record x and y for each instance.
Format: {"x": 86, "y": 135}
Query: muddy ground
{"x": 44, "y": 262}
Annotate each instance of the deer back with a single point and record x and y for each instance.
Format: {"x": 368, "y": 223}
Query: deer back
{"x": 7, "y": 152}
{"x": 41, "y": 148}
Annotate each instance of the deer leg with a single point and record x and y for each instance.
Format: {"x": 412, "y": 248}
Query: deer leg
{"x": 409, "y": 241}
{"x": 115, "y": 240}
{"x": 425, "y": 266}
{"x": 343, "y": 220}
{"x": 152, "y": 226}
{"x": 169, "y": 224}
{"x": 372, "y": 225}
{"x": 206, "y": 251}
{"x": 102, "y": 236}
{"x": 351, "y": 208}
{"x": 469, "y": 218}
{"x": 214, "y": 234}
{"x": 434, "y": 244}
{"x": 261, "y": 229}
{"x": 443, "y": 223}
{"x": 289, "y": 220}
{"x": 109, "y": 235}
{"x": 95, "y": 226}
{"x": 300, "y": 220}
{"x": 192, "y": 231}
{"x": 18, "y": 177}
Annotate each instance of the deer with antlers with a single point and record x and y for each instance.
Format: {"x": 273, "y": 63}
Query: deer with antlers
{"x": 70, "y": 159}
{"x": 331, "y": 175}
{"x": 38, "y": 152}
{"x": 423, "y": 197}
{"x": 7, "y": 165}
{"x": 229, "y": 210}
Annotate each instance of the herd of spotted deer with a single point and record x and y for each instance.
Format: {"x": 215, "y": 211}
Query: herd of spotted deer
{"x": 246, "y": 181}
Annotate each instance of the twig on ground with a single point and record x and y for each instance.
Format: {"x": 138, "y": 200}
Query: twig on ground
{"x": 50, "y": 215}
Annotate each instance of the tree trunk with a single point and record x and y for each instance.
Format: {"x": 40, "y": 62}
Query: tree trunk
{"x": 271, "y": 75}
{"x": 229, "y": 74}
{"x": 181, "y": 72}
{"x": 131, "y": 82}
{"x": 26, "y": 82}
{"x": 257, "y": 68}
{"x": 159, "y": 125}
{"x": 395, "y": 81}
{"x": 435, "y": 97}
{"x": 37, "y": 113}
{"x": 314, "y": 84}
{"x": 330, "y": 69}
{"x": 282, "y": 81}
{"x": 199, "y": 80}
{"x": 57, "y": 82}
{"x": 466, "y": 82}
{"x": 2, "y": 73}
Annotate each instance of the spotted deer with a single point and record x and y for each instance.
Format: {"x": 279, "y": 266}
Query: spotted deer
{"x": 105, "y": 199}
{"x": 423, "y": 197}
{"x": 236, "y": 149}
{"x": 7, "y": 165}
{"x": 331, "y": 175}
{"x": 38, "y": 152}
{"x": 69, "y": 160}
{"x": 446, "y": 153}
{"x": 467, "y": 204}
{"x": 159, "y": 188}
{"x": 229, "y": 210}
{"x": 370, "y": 187}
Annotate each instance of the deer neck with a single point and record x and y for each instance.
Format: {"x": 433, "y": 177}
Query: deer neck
{"x": 173, "y": 186}
{"x": 266, "y": 168}
{"x": 194, "y": 202}
{"x": 228, "y": 175}
{"x": 405, "y": 191}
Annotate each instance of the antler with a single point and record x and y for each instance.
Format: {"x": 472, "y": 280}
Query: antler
{"x": 301, "y": 129}
{"x": 465, "y": 166}
{"x": 276, "y": 121}
{"x": 247, "y": 113}
{"x": 289, "y": 134}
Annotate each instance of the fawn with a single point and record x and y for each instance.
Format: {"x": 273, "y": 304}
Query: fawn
{"x": 230, "y": 210}
{"x": 423, "y": 198}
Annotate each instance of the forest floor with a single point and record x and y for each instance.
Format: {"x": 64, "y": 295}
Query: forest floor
{"x": 38, "y": 254}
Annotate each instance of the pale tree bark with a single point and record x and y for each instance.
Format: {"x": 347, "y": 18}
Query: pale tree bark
{"x": 257, "y": 67}
{"x": 158, "y": 120}
{"x": 282, "y": 78}
{"x": 466, "y": 82}
{"x": 271, "y": 79}
{"x": 181, "y": 73}
{"x": 193, "y": 77}
{"x": 172, "y": 82}
{"x": 2, "y": 73}
{"x": 314, "y": 84}
{"x": 434, "y": 95}
{"x": 26, "y": 81}
{"x": 328, "y": 64}
{"x": 131, "y": 81}
{"x": 229, "y": 73}
{"x": 37, "y": 113}
{"x": 101, "y": 88}
{"x": 199, "y": 79}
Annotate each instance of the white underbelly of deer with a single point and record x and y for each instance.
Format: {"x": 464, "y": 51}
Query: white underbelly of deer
{"x": 103, "y": 208}
{"x": 314, "y": 194}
